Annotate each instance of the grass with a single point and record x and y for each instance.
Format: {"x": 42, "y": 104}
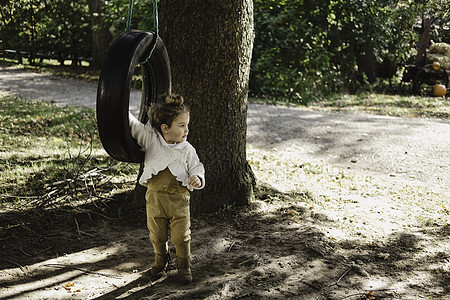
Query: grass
{"x": 409, "y": 106}
{"x": 386, "y": 104}
{"x": 52, "y": 152}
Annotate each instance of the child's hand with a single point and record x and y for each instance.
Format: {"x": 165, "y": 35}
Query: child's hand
{"x": 195, "y": 181}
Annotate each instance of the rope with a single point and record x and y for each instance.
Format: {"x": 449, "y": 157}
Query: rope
{"x": 130, "y": 12}
{"x": 155, "y": 24}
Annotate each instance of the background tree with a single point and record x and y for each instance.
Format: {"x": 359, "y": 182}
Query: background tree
{"x": 69, "y": 29}
{"x": 55, "y": 28}
{"x": 433, "y": 18}
{"x": 21, "y": 22}
{"x": 116, "y": 15}
{"x": 307, "y": 49}
{"x": 101, "y": 36}
{"x": 10, "y": 27}
{"x": 210, "y": 45}
{"x": 290, "y": 58}
{"x": 303, "y": 50}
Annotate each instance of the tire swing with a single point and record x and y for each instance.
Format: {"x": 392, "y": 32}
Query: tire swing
{"x": 113, "y": 93}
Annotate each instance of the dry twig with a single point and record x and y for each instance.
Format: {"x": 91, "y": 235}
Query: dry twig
{"x": 342, "y": 276}
{"x": 62, "y": 266}
{"x": 21, "y": 250}
{"x": 231, "y": 246}
{"x": 368, "y": 293}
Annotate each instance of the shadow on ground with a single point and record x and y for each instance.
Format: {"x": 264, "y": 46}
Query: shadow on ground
{"x": 273, "y": 249}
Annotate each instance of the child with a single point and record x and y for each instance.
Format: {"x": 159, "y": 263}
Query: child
{"x": 171, "y": 169}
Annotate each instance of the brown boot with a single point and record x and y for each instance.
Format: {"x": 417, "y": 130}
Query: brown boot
{"x": 184, "y": 270}
{"x": 160, "y": 264}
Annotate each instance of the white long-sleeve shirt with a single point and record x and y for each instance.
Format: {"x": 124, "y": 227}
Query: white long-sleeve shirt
{"x": 182, "y": 159}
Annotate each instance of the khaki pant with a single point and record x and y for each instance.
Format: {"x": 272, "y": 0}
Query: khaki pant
{"x": 168, "y": 205}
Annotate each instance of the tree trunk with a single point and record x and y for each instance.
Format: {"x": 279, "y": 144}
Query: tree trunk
{"x": 101, "y": 37}
{"x": 423, "y": 43}
{"x": 366, "y": 63}
{"x": 210, "y": 45}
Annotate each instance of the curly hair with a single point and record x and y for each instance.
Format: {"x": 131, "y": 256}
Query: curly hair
{"x": 167, "y": 112}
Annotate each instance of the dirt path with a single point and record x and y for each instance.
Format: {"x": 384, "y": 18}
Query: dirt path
{"x": 409, "y": 149}
{"x": 340, "y": 247}
{"x": 51, "y": 88}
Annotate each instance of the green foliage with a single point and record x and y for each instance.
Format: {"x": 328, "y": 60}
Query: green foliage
{"x": 59, "y": 28}
{"x": 304, "y": 50}
{"x": 439, "y": 12}
{"x": 116, "y": 13}
{"x": 62, "y": 28}
{"x": 289, "y": 57}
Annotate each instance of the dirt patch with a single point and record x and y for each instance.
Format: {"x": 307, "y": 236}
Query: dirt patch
{"x": 310, "y": 237}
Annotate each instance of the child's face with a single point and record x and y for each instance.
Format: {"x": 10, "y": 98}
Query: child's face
{"x": 178, "y": 130}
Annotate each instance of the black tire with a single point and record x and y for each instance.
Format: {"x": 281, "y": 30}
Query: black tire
{"x": 113, "y": 94}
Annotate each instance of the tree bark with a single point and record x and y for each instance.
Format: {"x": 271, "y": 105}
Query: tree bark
{"x": 423, "y": 43}
{"x": 101, "y": 37}
{"x": 366, "y": 63}
{"x": 210, "y": 45}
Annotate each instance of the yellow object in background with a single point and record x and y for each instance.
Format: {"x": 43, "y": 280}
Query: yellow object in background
{"x": 436, "y": 65}
{"x": 439, "y": 90}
